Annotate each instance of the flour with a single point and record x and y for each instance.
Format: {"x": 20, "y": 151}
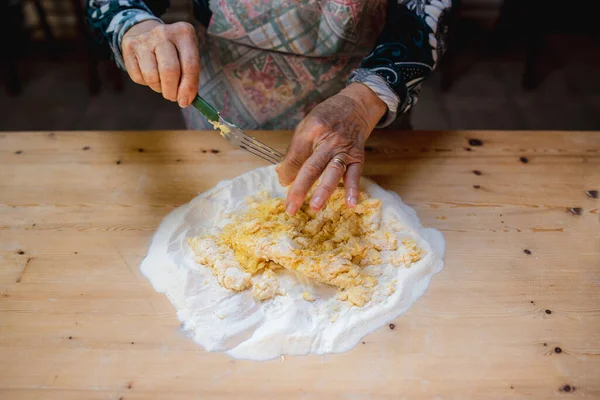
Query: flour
{"x": 308, "y": 318}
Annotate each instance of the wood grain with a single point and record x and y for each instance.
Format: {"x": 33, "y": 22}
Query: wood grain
{"x": 79, "y": 321}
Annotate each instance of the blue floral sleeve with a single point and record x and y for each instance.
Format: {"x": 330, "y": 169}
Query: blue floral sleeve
{"x": 412, "y": 42}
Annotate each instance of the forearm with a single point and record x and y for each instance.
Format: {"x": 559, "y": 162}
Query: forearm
{"x": 406, "y": 53}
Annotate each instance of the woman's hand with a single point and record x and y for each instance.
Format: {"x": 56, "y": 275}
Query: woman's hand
{"x": 329, "y": 143}
{"x": 164, "y": 57}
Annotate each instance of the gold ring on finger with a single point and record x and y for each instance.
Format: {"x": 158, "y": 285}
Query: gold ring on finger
{"x": 341, "y": 162}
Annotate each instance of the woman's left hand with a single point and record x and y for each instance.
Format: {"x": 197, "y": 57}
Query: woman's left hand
{"x": 330, "y": 142}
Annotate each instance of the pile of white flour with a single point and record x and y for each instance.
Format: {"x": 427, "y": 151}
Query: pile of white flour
{"x": 235, "y": 323}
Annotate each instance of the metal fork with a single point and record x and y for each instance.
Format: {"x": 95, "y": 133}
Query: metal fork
{"x": 235, "y": 135}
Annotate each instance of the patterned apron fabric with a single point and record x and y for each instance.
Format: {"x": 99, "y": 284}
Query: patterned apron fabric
{"x": 266, "y": 64}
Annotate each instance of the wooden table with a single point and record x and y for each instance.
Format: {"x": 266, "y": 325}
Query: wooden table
{"x": 515, "y": 313}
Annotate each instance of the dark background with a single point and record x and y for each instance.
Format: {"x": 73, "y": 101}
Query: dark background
{"x": 513, "y": 64}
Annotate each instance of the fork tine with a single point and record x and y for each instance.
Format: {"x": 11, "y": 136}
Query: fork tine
{"x": 238, "y": 138}
{"x": 258, "y": 154}
{"x": 262, "y": 145}
{"x": 263, "y": 155}
{"x": 262, "y": 149}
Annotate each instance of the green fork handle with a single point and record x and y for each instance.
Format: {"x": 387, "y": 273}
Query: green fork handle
{"x": 206, "y": 109}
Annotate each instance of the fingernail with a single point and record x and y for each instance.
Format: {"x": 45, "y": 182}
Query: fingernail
{"x": 291, "y": 209}
{"x": 316, "y": 202}
{"x": 351, "y": 201}
{"x": 182, "y": 103}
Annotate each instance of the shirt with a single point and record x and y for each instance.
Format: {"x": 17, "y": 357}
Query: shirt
{"x": 406, "y": 53}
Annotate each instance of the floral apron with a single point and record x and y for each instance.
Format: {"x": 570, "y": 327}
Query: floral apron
{"x": 266, "y": 64}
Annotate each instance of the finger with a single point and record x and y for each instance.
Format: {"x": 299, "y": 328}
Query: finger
{"x": 168, "y": 69}
{"x": 189, "y": 58}
{"x": 307, "y": 176}
{"x": 149, "y": 68}
{"x": 329, "y": 182}
{"x": 352, "y": 183}
{"x": 132, "y": 67}
{"x": 299, "y": 150}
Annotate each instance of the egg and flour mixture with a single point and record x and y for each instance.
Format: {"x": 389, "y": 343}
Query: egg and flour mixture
{"x": 331, "y": 246}
{"x": 249, "y": 280}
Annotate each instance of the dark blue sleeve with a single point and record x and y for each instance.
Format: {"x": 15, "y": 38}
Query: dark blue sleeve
{"x": 407, "y": 51}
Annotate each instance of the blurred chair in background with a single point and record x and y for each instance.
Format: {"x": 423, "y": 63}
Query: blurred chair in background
{"x": 12, "y": 39}
{"x": 525, "y": 24}
{"x": 538, "y": 19}
{"x": 17, "y": 34}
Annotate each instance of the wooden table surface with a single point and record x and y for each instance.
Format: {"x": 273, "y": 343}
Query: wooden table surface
{"x": 514, "y": 314}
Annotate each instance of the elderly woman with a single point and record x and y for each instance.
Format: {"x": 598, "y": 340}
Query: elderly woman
{"x": 332, "y": 69}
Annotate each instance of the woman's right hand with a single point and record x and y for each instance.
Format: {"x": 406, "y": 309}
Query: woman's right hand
{"x": 164, "y": 57}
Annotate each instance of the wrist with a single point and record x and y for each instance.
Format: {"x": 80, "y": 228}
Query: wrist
{"x": 141, "y": 27}
{"x": 372, "y": 107}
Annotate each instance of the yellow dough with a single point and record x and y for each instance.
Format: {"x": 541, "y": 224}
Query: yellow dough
{"x": 220, "y": 127}
{"x": 221, "y": 260}
{"x": 332, "y": 246}
{"x": 267, "y": 286}
{"x": 308, "y": 296}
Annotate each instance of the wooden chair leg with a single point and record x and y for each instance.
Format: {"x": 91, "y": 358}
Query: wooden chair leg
{"x": 533, "y": 27}
{"x": 447, "y": 72}
{"x": 44, "y": 21}
{"x": 447, "y": 68}
{"x": 92, "y": 73}
{"x": 507, "y": 25}
{"x": 48, "y": 34}
{"x": 531, "y": 79}
{"x": 116, "y": 77}
{"x": 11, "y": 78}
{"x": 12, "y": 35}
{"x": 408, "y": 123}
